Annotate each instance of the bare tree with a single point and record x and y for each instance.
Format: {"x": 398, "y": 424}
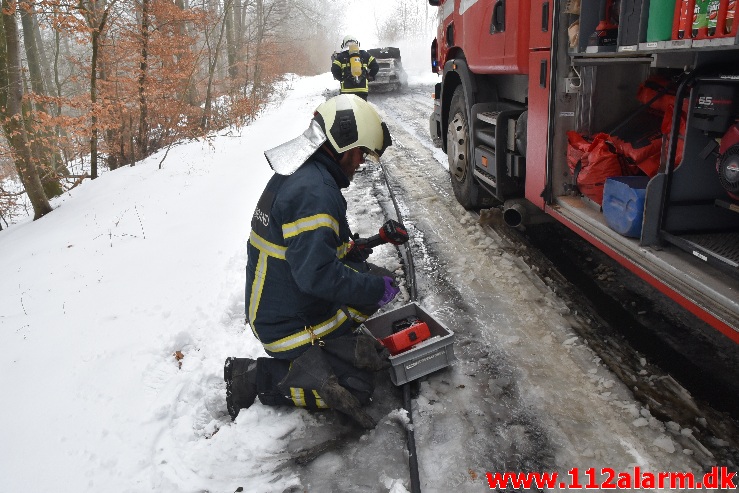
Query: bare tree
{"x": 11, "y": 110}
{"x": 96, "y": 14}
{"x": 143, "y": 138}
{"x": 125, "y": 77}
{"x": 214, "y": 53}
{"x": 49, "y": 161}
{"x": 228, "y": 16}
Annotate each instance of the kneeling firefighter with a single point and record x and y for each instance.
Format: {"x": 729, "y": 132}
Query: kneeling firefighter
{"x": 308, "y": 285}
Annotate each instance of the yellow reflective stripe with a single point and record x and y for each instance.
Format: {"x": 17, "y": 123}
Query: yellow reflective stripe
{"x": 309, "y": 223}
{"x": 354, "y": 89}
{"x": 303, "y": 337}
{"x": 297, "y": 396}
{"x": 342, "y": 65}
{"x": 319, "y": 401}
{"x": 260, "y": 274}
{"x": 253, "y": 331}
{"x": 357, "y": 316}
{"x": 264, "y": 246}
{"x": 343, "y": 250}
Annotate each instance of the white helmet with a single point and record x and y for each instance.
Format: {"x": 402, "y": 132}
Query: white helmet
{"x": 349, "y": 39}
{"x": 349, "y": 121}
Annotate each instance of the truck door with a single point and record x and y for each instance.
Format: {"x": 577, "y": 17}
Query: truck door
{"x": 484, "y": 31}
{"x": 495, "y": 35}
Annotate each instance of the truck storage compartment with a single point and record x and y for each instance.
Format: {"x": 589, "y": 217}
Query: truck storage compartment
{"x": 700, "y": 212}
{"x": 692, "y": 200}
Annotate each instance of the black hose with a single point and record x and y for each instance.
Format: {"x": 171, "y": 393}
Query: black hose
{"x": 411, "y": 441}
{"x": 413, "y": 293}
{"x": 405, "y": 250}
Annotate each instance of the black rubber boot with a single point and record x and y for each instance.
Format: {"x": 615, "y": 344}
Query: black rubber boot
{"x": 240, "y": 375}
{"x": 340, "y": 399}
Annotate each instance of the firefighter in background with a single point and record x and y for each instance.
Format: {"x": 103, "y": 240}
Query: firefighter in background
{"x": 307, "y": 286}
{"x": 354, "y": 68}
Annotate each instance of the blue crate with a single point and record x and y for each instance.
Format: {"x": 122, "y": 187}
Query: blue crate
{"x": 623, "y": 204}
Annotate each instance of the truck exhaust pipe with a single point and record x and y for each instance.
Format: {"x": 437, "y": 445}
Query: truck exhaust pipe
{"x": 514, "y": 215}
{"x": 521, "y": 212}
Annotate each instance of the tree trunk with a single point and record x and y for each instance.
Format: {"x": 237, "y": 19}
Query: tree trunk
{"x": 96, "y": 31}
{"x": 42, "y": 54}
{"x": 50, "y": 163}
{"x": 239, "y": 8}
{"x": 11, "y": 90}
{"x": 228, "y": 15}
{"x": 59, "y": 130}
{"x": 256, "y": 91}
{"x": 32, "y": 55}
{"x": 191, "y": 94}
{"x": 143, "y": 138}
{"x": 93, "y": 105}
{"x": 212, "y": 63}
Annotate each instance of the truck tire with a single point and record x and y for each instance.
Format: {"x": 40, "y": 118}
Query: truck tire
{"x": 460, "y": 154}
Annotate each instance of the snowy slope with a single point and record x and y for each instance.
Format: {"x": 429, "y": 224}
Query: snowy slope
{"x": 96, "y": 298}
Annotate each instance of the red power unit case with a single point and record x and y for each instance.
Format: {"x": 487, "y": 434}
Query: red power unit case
{"x": 406, "y": 338}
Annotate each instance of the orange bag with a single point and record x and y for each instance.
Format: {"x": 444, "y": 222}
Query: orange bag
{"x": 649, "y": 89}
{"x": 640, "y": 160}
{"x": 665, "y": 105}
{"x": 600, "y": 160}
{"x": 576, "y": 149}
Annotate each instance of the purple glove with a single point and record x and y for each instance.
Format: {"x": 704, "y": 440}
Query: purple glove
{"x": 390, "y": 291}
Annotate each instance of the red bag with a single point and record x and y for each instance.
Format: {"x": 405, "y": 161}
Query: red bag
{"x": 576, "y": 149}
{"x": 649, "y": 89}
{"x": 666, "y": 105}
{"x": 603, "y": 162}
{"x": 600, "y": 160}
{"x": 640, "y": 160}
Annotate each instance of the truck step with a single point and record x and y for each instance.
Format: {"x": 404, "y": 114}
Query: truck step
{"x": 489, "y": 117}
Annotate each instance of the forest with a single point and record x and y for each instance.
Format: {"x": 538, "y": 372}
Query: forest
{"x": 89, "y": 86}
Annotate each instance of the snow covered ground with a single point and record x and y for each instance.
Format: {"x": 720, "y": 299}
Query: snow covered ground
{"x": 118, "y": 309}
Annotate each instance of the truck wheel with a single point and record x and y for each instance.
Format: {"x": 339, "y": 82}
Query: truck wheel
{"x": 459, "y": 152}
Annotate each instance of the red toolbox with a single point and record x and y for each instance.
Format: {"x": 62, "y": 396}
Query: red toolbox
{"x": 407, "y": 333}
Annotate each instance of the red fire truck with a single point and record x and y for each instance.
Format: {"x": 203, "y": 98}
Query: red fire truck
{"x": 618, "y": 118}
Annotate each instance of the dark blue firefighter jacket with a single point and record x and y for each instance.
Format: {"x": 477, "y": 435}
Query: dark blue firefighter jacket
{"x": 299, "y": 286}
